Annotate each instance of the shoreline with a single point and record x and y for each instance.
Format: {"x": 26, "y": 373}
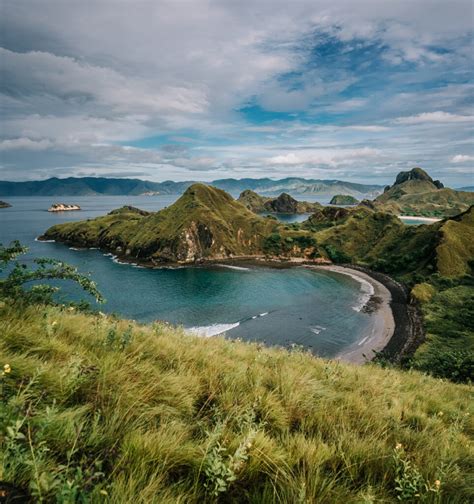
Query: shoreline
{"x": 379, "y": 306}
{"x": 395, "y": 329}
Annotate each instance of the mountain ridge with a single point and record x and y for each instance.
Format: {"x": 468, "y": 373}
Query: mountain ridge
{"x": 88, "y": 186}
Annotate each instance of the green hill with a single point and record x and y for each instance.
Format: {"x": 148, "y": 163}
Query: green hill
{"x": 416, "y": 193}
{"x": 96, "y": 409}
{"x": 343, "y": 199}
{"x": 282, "y": 204}
{"x": 205, "y": 223}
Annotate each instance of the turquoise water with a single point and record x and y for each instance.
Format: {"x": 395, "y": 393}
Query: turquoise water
{"x": 291, "y": 306}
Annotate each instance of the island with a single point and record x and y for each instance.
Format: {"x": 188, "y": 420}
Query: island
{"x": 284, "y": 203}
{"x": 343, "y": 199}
{"x": 4, "y": 204}
{"x": 416, "y": 194}
{"x": 63, "y": 207}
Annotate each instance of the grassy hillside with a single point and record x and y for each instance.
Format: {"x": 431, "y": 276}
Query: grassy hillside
{"x": 205, "y": 222}
{"x": 102, "y": 410}
{"x": 416, "y": 193}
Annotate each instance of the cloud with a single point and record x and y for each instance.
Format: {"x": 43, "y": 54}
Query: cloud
{"x": 435, "y": 117}
{"x": 329, "y": 157}
{"x": 103, "y": 89}
{"x": 462, "y": 158}
{"x": 25, "y": 143}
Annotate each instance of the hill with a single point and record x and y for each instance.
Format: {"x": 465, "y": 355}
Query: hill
{"x": 205, "y": 223}
{"x": 284, "y": 203}
{"x": 416, "y": 193}
{"x": 343, "y": 199}
{"x": 96, "y": 409}
{"x": 88, "y": 186}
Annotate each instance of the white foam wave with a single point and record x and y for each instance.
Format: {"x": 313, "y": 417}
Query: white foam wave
{"x": 366, "y": 288}
{"x": 317, "y": 329}
{"x": 45, "y": 241}
{"x": 229, "y": 266}
{"x": 211, "y": 330}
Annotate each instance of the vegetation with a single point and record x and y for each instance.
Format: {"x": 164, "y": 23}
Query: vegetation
{"x": 343, "y": 199}
{"x": 282, "y": 204}
{"x": 96, "y": 409}
{"x": 18, "y": 276}
{"x": 448, "y": 351}
{"x": 416, "y": 193}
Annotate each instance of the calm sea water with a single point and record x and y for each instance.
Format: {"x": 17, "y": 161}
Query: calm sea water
{"x": 301, "y": 306}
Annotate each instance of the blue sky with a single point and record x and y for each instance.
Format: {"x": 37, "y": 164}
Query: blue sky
{"x": 200, "y": 90}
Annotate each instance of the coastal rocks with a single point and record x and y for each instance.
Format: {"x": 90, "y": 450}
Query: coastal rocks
{"x": 63, "y": 207}
{"x": 4, "y": 204}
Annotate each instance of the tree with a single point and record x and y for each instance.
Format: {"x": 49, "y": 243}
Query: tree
{"x": 18, "y": 275}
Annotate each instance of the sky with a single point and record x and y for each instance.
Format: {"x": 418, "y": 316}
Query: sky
{"x": 202, "y": 90}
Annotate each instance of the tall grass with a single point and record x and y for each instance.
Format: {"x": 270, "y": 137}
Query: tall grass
{"x": 96, "y": 409}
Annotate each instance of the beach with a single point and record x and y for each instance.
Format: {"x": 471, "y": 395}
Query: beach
{"x": 378, "y": 304}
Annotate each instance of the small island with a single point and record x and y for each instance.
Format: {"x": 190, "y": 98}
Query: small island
{"x": 343, "y": 199}
{"x": 4, "y": 204}
{"x": 63, "y": 207}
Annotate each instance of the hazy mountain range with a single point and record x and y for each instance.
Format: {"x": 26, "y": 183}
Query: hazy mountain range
{"x": 88, "y": 186}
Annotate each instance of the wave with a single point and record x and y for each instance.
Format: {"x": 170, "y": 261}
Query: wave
{"x": 229, "y": 266}
{"x": 317, "y": 329}
{"x": 44, "y": 241}
{"x": 367, "y": 291}
{"x": 217, "y": 329}
{"x": 211, "y": 330}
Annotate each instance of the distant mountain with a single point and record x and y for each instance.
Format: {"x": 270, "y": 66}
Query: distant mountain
{"x": 466, "y": 188}
{"x": 416, "y": 193}
{"x": 89, "y": 186}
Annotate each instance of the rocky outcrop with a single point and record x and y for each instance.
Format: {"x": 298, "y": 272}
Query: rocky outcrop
{"x": 4, "y": 204}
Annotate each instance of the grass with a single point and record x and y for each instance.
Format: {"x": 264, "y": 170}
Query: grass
{"x": 105, "y": 410}
{"x": 449, "y": 319}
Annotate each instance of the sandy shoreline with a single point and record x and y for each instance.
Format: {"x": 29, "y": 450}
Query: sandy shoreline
{"x": 382, "y": 325}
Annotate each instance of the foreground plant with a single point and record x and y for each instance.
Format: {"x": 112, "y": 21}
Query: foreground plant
{"x": 19, "y": 275}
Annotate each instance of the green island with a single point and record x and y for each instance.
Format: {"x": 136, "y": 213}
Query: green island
{"x": 100, "y": 409}
{"x": 282, "y": 204}
{"x": 343, "y": 199}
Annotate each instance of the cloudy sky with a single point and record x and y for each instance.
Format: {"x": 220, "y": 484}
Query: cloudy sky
{"x": 200, "y": 90}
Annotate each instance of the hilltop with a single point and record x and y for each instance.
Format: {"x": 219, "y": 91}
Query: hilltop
{"x": 416, "y": 193}
{"x": 105, "y": 410}
{"x": 205, "y": 223}
{"x": 284, "y": 203}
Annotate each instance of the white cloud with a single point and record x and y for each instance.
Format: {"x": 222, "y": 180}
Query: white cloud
{"x": 24, "y": 143}
{"x": 329, "y": 157}
{"x": 435, "y": 117}
{"x": 461, "y": 158}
